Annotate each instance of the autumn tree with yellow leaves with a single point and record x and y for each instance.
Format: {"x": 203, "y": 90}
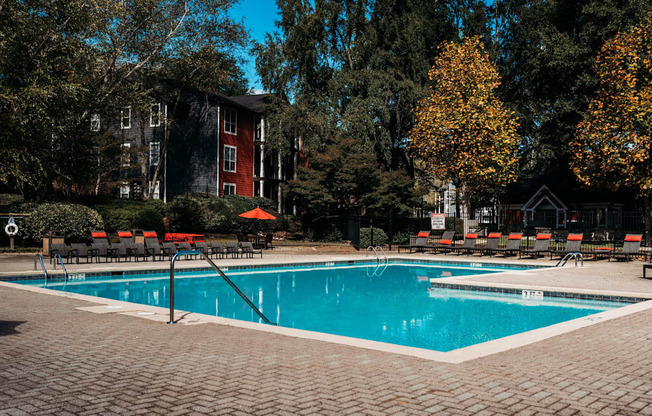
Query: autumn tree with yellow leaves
{"x": 613, "y": 145}
{"x": 462, "y": 131}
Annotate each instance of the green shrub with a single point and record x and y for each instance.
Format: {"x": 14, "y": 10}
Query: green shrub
{"x": 402, "y": 237}
{"x": 209, "y": 213}
{"x": 332, "y": 235}
{"x": 127, "y": 214}
{"x": 76, "y": 221}
{"x": 184, "y": 214}
{"x": 380, "y": 237}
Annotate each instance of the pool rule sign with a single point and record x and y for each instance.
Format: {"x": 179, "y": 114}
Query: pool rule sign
{"x": 438, "y": 221}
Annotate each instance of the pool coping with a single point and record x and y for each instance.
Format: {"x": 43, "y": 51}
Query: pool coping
{"x": 460, "y": 355}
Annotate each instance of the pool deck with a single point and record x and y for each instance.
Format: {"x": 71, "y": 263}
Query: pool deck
{"x": 58, "y": 357}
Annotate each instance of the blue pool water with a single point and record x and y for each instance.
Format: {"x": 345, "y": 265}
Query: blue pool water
{"x": 396, "y": 306}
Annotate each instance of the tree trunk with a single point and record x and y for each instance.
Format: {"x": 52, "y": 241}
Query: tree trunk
{"x": 164, "y": 150}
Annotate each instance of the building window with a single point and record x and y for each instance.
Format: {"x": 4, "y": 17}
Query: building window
{"x": 229, "y": 158}
{"x": 229, "y": 189}
{"x": 95, "y": 122}
{"x": 258, "y": 135}
{"x": 155, "y": 115}
{"x": 126, "y": 155}
{"x": 156, "y": 194}
{"x": 125, "y": 190}
{"x": 125, "y": 118}
{"x": 230, "y": 121}
{"x": 154, "y": 153}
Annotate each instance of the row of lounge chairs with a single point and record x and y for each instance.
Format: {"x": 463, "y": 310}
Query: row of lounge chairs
{"x": 127, "y": 249}
{"x": 542, "y": 246}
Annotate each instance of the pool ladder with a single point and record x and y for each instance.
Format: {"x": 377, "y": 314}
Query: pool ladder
{"x": 220, "y": 272}
{"x": 45, "y": 272}
{"x": 379, "y": 269}
{"x": 372, "y": 248}
{"x": 568, "y": 256}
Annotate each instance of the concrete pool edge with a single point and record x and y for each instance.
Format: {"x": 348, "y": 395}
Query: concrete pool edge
{"x": 472, "y": 352}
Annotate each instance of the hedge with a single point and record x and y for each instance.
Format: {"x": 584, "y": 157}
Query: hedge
{"x": 76, "y": 221}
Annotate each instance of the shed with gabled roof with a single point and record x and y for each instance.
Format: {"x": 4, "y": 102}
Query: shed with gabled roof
{"x": 545, "y": 209}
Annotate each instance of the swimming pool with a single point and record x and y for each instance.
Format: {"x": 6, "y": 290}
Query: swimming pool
{"x": 393, "y": 305}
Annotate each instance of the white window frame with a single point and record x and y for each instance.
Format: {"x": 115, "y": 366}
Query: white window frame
{"x": 95, "y": 122}
{"x": 125, "y": 190}
{"x": 123, "y": 125}
{"x": 230, "y": 121}
{"x": 226, "y": 185}
{"x": 154, "y": 153}
{"x": 227, "y": 160}
{"x": 155, "y": 115}
{"x": 125, "y": 159}
{"x": 157, "y": 189}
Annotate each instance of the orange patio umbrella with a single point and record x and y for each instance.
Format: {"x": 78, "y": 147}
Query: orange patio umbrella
{"x": 258, "y": 214}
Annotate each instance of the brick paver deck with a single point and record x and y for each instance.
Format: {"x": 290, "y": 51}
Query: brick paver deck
{"x": 56, "y": 359}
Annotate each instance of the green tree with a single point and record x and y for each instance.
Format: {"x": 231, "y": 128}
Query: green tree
{"x": 545, "y": 52}
{"x": 353, "y": 68}
{"x": 346, "y": 179}
{"x": 463, "y": 132}
{"x": 613, "y": 142}
{"x": 63, "y": 62}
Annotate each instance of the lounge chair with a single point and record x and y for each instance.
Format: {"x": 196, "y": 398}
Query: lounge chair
{"x": 169, "y": 250}
{"x": 152, "y": 245}
{"x": 185, "y": 246}
{"x": 419, "y": 244}
{"x": 573, "y": 245}
{"x": 63, "y": 251}
{"x": 445, "y": 243}
{"x": 631, "y": 247}
{"x": 513, "y": 245}
{"x": 493, "y": 239}
{"x": 232, "y": 249}
{"x": 218, "y": 249}
{"x": 469, "y": 244}
{"x": 133, "y": 249}
{"x": 248, "y": 250}
{"x": 102, "y": 245}
{"x": 203, "y": 247}
{"x": 541, "y": 245}
{"x": 84, "y": 252}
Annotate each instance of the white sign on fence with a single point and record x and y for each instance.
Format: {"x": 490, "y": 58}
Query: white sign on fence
{"x": 438, "y": 221}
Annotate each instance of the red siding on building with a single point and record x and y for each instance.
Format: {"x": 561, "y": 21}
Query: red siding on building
{"x": 244, "y": 142}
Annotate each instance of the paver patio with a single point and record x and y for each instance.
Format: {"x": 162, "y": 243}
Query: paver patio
{"x": 56, "y": 359}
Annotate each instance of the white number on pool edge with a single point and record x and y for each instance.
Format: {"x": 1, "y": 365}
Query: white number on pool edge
{"x": 532, "y": 294}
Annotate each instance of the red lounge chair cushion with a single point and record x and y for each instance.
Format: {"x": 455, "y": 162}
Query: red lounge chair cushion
{"x": 423, "y": 234}
{"x": 469, "y": 235}
{"x": 634, "y": 238}
{"x": 124, "y": 234}
{"x": 515, "y": 236}
{"x": 446, "y": 242}
{"x": 543, "y": 236}
{"x": 100, "y": 234}
{"x": 150, "y": 234}
{"x": 494, "y": 235}
{"x": 575, "y": 237}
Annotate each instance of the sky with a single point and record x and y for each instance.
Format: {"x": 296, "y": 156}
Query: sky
{"x": 259, "y": 17}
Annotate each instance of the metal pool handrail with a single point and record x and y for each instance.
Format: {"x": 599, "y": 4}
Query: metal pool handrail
{"x": 45, "y": 272}
{"x": 568, "y": 256}
{"x": 376, "y": 253}
{"x": 220, "y": 272}
{"x": 65, "y": 272}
